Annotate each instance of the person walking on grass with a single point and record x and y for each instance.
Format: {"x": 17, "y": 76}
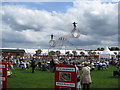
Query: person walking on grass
{"x": 52, "y": 65}
{"x": 86, "y": 77}
{"x": 10, "y": 64}
{"x": 33, "y": 65}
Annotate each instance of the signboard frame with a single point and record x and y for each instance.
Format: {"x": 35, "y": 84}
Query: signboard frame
{"x": 3, "y": 77}
{"x": 65, "y": 77}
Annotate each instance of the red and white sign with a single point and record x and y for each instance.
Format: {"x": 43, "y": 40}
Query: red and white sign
{"x": 65, "y": 77}
{"x": 3, "y": 76}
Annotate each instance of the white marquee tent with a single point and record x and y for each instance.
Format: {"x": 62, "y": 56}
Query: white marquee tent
{"x": 107, "y": 54}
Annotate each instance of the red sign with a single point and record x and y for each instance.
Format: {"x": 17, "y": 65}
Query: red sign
{"x": 3, "y": 76}
{"x": 65, "y": 77}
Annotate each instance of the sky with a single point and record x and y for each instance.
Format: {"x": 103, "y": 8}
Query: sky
{"x": 30, "y": 24}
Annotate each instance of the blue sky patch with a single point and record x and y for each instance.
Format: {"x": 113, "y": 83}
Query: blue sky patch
{"x": 48, "y": 6}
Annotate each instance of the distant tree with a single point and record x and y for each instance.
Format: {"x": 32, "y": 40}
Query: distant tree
{"x": 117, "y": 48}
{"x": 67, "y": 53}
{"x": 58, "y": 53}
{"x": 102, "y": 49}
{"x": 98, "y": 49}
{"x": 52, "y": 53}
{"x": 114, "y": 48}
{"x": 93, "y": 53}
{"x": 90, "y": 53}
{"x": 98, "y": 53}
{"x": 74, "y": 53}
{"x": 38, "y": 52}
{"x": 115, "y": 53}
{"x": 82, "y": 53}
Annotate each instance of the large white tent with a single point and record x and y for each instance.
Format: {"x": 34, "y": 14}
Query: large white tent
{"x": 107, "y": 54}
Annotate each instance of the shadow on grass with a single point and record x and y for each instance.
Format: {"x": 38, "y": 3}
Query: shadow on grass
{"x": 116, "y": 77}
{"x": 20, "y": 69}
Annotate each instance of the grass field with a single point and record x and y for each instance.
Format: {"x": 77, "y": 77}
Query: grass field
{"x": 41, "y": 79}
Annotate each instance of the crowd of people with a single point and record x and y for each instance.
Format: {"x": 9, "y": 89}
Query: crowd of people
{"x": 84, "y": 67}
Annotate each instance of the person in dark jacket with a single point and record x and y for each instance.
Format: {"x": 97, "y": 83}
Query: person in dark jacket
{"x": 33, "y": 65}
{"x": 52, "y": 64}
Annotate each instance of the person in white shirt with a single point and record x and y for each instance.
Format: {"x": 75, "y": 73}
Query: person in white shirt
{"x": 86, "y": 77}
{"x": 104, "y": 66}
{"x": 92, "y": 66}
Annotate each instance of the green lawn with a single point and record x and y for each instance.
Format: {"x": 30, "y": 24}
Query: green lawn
{"x": 41, "y": 79}
{"x": 104, "y": 78}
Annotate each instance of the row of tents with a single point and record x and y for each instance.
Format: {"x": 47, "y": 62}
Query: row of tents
{"x": 30, "y": 52}
{"x": 102, "y": 54}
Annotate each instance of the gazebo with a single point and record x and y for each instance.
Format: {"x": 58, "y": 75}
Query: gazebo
{"x": 107, "y": 54}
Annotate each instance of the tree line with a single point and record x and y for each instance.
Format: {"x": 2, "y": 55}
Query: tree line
{"x": 58, "y": 53}
{"x": 111, "y": 49}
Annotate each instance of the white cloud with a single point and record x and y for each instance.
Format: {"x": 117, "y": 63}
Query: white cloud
{"x": 97, "y": 23}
